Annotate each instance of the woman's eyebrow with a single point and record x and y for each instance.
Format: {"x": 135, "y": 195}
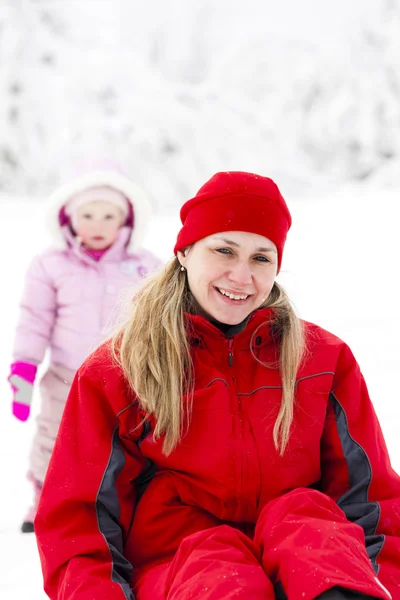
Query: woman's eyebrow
{"x": 236, "y": 245}
{"x": 269, "y": 249}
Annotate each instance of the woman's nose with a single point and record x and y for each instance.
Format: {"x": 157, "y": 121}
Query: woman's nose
{"x": 241, "y": 274}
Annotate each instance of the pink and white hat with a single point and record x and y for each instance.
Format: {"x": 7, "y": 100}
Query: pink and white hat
{"x": 101, "y": 192}
{"x": 138, "y": 205}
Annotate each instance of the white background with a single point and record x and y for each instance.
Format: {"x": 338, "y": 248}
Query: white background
{"x": 306, "y": 92}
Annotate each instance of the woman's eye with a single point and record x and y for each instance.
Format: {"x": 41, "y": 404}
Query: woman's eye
{"x": 224, "y": 251}
{"x": 109, "y": 217}
{"x": 87, "y": 216}
{"x": 262, "y": 259}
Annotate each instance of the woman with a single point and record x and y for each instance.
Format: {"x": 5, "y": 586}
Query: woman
{"x": 220, "y": 447}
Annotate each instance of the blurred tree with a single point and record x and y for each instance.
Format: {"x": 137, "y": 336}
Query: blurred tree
{"x": 175, "y": 91}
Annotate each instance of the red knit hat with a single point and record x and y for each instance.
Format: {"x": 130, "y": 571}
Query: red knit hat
{"x": 236, "y": 201}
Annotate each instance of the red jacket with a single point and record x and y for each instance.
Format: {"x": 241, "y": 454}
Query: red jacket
{"x": 111, "y": 499}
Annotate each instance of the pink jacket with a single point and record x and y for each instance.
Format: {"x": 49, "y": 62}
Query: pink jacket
{"x": 70, "y": 298}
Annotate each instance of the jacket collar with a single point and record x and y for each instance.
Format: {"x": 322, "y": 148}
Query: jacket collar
{"x": 260, "y": 327}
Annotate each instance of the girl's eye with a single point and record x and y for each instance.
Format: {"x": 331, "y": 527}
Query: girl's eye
{"x": 224, "y": 251}
{"x": 109, "y": 216}
{"x": 87, "y": 216}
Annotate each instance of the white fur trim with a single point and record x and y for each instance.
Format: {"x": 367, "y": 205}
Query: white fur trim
{"x": 113, "y": 179}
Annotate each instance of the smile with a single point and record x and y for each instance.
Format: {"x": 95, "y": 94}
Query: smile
{"x": 231, "y": 295}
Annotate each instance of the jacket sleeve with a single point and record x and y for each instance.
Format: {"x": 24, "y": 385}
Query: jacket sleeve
{"x": 37, "y": 314}
{"x": 357, "y": 473}
{"x": 88, "y": 497}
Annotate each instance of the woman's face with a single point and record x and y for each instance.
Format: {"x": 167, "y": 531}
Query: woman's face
{"x": 230, "y": 274}
{"x": 97, "y": 224}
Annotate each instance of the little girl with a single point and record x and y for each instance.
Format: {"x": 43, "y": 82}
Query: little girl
{"x": 100, "y": 219}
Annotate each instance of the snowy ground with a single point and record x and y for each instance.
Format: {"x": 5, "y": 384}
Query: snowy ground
{"x": 341, "y": 268}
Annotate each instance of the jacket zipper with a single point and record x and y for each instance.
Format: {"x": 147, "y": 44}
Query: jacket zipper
{"x": 240, "y": 433}
{"x": 230, "y": 352}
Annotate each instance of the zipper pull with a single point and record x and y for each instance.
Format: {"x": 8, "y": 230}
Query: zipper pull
{"x": 230, "y": 355}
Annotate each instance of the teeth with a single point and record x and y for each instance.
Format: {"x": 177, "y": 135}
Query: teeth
{"x": 233, "y": 296}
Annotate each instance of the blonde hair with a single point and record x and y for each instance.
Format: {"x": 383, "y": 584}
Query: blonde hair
{"x": 156, "y": 358}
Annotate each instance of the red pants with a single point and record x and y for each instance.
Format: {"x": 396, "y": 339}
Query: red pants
{"x": 302, "y": 541}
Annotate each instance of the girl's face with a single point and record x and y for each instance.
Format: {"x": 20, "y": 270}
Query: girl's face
{"x": 97, "y": 224}
{"x": 230, "y": 274}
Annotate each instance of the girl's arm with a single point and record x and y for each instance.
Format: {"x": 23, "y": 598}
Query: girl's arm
{"x": 37, "y": 314}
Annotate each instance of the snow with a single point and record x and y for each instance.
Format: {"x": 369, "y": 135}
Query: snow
{"x": 341, "y": 269}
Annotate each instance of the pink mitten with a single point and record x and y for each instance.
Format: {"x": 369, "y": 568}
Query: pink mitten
{"x": 22, "y": 377}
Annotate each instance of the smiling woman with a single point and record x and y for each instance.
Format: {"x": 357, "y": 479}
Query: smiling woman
{"x": 219, "y": 447}
{"x": 230, "y": 276}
